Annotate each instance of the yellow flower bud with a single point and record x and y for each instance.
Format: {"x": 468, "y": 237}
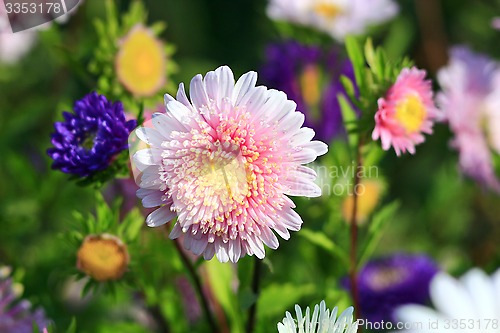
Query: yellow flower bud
{"x": 103, "y": 257}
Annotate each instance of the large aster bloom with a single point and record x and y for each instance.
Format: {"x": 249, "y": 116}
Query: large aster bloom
{"x": 321, "y": 321}
{"x": 389, "y": 282}
{"x": 88, "y": 139}
{"x": 224, "y": 163}
{"x": 471, "y": 105}
{"x": 16, "y": 316}
{"x": 470, "y": 304}
{"x": 406, "y": 112}
{"x": 338, "y": 18}
{"x": 310, "y": 77}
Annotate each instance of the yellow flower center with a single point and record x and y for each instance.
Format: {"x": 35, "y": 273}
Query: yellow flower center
{"x": 310, "y": 85}
{"x": 103, "y": 257}
{"x": 411, "y": 113}
{"x": 140, "y": 62}
{"x": 223, "y": 173}
{"x": 328, "y": 10}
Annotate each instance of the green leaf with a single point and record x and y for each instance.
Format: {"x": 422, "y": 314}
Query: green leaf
{"x": 349, "y": 87}
{"x": 370, "y": 52}
{"x": 357, "y": 59}
{"x": 221, "y": 277}
{"x": 72, "y": 326}
{"x": 275, "y": 299}
{"x": 350, "y": 120}
{"x": 321, "y": 240}
{"x": 375, "y": 231}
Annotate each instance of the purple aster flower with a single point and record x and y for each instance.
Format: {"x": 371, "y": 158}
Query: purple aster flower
{"x": 88, "y": 139}
{"x": 16, "y": 316}
{"x": 386, "y": 283}
{"x": 469, "y": 100}
{"x": 310, "y": 77}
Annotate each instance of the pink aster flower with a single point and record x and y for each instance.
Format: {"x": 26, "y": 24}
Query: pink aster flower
{"x": 224, "y": 162}
{"x": 406, "y": 112}
{"x": 471, "y": 105}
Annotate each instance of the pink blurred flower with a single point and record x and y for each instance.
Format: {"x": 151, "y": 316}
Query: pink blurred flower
{"x": 406, "y": 112}
{"x": 470, "y": 101}
{"x": 495, "y": 23}
{"x": 224, "y": 163}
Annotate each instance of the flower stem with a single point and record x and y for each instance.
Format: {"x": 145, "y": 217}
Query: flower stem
{"x": 252, "y": 312}
{"x": 354, "y": 235}
{"x": 199, "y": 288}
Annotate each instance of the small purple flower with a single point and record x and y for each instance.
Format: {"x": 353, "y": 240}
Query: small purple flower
{"x": 310, "y": 77}
{"x": 386, "y": 283}
{"x": 88, "y": 139}
{"x": 16, "y": 316}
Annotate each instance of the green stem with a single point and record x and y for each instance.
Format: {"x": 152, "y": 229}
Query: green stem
{"x": 252, "y": 312}
{"x": 198, "y": 286}
{"x": 354, "y": 235}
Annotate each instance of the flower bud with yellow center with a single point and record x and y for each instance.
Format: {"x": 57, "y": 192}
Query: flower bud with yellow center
{"x": 141, "y": 62}
{"x": 368, "y": 193}
{"x": 103, "y": 257}
{"x": 411, "y": 113}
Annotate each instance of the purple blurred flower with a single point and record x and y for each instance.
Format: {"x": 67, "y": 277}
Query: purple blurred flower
{"x": 16, "y": 316}
{"x": 310, "y": 77}
{"x": 87, "y": 140}
{"x": 386, "y": 283}
{"x": 469, "y": 101}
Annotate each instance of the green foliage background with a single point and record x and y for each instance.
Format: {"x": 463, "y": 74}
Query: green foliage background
{"x": 440, "y": 213}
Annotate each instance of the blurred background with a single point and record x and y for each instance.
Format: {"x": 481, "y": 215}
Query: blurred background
{"x": 442, "y": 214}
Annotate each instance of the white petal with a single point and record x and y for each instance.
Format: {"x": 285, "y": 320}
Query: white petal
{"x": 160, "y": 216}
{"x": 221, "y": 251}
{"x": 182, "y": 97}
{"x": 319, "y": 147}
{"x": 197, "y": 91}
{"x": 450, "y": 297}
{"x": 482, "y": 292}
{"x": 234, "y": 250}
{"x": 244, "y": 84}
{"x": 151, "y": 136}
{"x": 148, "y": 156}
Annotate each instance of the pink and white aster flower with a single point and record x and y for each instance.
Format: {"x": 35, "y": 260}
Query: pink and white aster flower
{"x": 224, "y": 162}
{"x": 406, "y": 112}
{"x": 470, "y": 101}
{"x": 338, "y": 18}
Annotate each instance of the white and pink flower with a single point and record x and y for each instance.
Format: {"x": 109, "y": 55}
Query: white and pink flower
{"x": 470, "y": 101}
{"x": 224, "y": 162}
{"x": 406, "y": 112}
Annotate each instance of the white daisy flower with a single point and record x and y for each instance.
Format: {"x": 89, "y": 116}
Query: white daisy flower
{"x": 322, "y": 321}
{"x": 470, "y": 304}
{"x": 338, "y": 18}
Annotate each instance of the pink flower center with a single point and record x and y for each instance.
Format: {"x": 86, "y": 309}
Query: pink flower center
{"x": 411, "y": 113}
